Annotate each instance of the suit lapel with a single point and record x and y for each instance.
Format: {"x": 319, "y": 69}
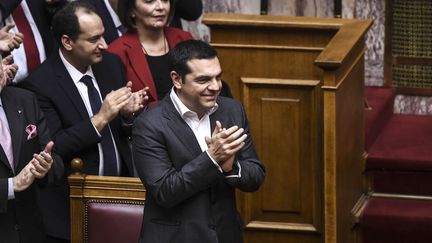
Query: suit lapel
{"x": 219, "y": 115}
{"x": 139, "y": 62}
{"x": 15, "y": 115}
{"x": 179, "y": 127}
{"x": 65, "y": 82}
{"x": 3, "y": 157}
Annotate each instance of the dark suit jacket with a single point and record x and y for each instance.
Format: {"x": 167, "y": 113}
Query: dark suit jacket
{"x": 72, "y": 130}
{"x": 41, "y": 14}
{"x": 186, "y": 9}
{"x": 188, "y": 198}
{"x": 128, "y": 48}
{"x": 20, "y": 218}
{"x": 110, "y": 33}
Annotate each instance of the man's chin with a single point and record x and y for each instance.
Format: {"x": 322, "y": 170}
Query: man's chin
{"x": 97, "y": 59}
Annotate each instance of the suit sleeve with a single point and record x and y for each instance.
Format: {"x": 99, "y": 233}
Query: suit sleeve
{"x": 57, "y": 168}
{"x": 252, "y": 171}
{"x": 166, "y": 184}
{"x": 3, "y": 194}
{"x": 70, "y": 141}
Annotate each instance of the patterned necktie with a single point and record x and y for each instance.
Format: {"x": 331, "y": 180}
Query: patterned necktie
{"x": 108, "y": 150}
{"x": 6, "y": 141}
{"x": 30, "y": 47}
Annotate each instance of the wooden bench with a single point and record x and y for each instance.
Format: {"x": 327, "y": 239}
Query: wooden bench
{"x": 104, "y": 208}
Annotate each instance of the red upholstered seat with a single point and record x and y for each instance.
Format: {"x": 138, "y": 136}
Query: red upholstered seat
{"x": 113, "y": 221}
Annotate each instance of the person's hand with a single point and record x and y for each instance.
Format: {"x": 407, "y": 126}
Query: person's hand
{"x": 42, "y": 162}
{"x": 24, "y": 179}
{"x": 136, "y": 102}
{"x": 224, "y": 144}
{"x": 111, "y": 106}
{"x": 9, "y": 69}
{"x": 9, "y": 40}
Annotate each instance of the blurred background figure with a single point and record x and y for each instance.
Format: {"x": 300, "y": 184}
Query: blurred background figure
{"x": 31, "y": 18}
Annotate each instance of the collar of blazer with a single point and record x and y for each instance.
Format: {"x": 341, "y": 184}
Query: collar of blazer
{"x": 182, "y": 130}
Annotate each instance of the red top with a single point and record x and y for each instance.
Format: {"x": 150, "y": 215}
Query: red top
{"x": 128, "y": 48}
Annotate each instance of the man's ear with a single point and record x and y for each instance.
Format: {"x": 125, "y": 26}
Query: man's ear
{"x": 176, "y": 79}
{"x": 66, "y": 42}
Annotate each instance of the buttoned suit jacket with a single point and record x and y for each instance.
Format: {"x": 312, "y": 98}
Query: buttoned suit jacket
{"x": 188, "y": 198}
{"x": 73, "y": 131}
{"x": 20, "y": 218}
{"x": 128, "y": 48}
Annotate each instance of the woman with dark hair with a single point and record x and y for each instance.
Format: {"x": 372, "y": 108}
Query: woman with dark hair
{"x": 144, "y": 48}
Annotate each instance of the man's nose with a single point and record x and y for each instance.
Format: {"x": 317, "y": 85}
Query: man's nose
{"x": 102, "y": 44}
{"x": 215, "y": 84}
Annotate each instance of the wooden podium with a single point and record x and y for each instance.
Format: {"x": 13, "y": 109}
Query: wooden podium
{"x": 301, "y": 81}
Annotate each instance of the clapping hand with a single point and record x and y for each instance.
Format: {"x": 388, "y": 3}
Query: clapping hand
{"x": 9, "y": 40}
{"x": 38, "y": 167}
{"x": 224, "y": 144}
{"x": 136, "y": 103}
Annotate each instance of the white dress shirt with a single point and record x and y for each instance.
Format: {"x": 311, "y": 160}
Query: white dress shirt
{"x": 82, "y": 89}
{"x": 200, "y": 127}
{"x": 19, "y": 54}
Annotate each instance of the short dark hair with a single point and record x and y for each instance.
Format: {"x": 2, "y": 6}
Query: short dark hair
{"x": 65, "y": 21}
{"x": 186, "y": 51}
{"x": 125, "y": 7}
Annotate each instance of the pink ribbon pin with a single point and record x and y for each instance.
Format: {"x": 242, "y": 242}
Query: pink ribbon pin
{"x": 31, "y": 131}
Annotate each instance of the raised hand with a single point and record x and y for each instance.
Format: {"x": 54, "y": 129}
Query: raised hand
{"x": 224, "y": 144}
{"x": 9, "y": 40}
{"x": 9, "y": 69}
{"x": 24, "y": 179}
{"x": 111, "y": 106}
{"x": 42, "y": 162}
{"x": 136, "y": 102}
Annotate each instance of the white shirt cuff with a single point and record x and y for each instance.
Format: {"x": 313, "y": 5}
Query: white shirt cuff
{"x": 96, "y": 129}
{"x": 11, "y": 193}
{"x": 239, "y": 172}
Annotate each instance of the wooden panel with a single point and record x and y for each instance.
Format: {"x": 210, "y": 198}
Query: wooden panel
{"x": 309, "y": 141}
{"x": 285, "y": 125}
{"x": 264, "y": 63}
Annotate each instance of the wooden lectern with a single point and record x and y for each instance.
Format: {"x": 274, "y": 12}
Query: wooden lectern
{"x": 301, "y": 81}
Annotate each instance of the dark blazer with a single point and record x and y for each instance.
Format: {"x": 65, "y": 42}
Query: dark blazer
{"x": 41, "y": 14}
{"x": 72, "y": 130}
{"x": 20, "y": 218}
{"x": 186, "y": 9}
{"x": 128, "y": 48}
{"x": 188, "y": 198}
{"x": 111, "y": 32}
